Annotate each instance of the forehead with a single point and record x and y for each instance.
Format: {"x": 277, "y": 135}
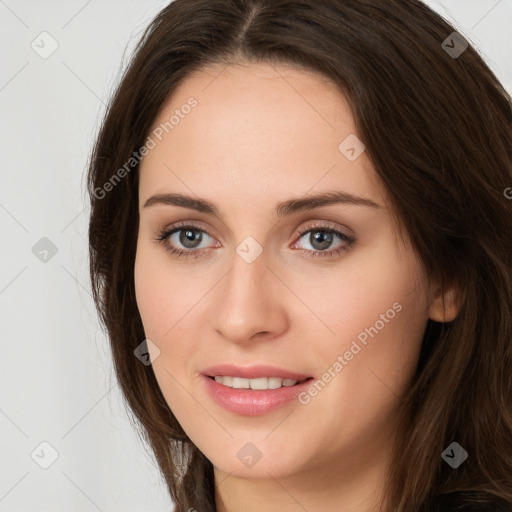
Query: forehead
{"x": 256, "y": 130}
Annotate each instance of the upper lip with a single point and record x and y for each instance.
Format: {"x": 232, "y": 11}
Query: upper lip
{"x": 253, "y": 372}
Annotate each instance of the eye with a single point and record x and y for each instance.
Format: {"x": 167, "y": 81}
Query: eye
{"x": 185, "y": 239}
{"x": 321, "y": 238}
{"x": 188, "y": 236}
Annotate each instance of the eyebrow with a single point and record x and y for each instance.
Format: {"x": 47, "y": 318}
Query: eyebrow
{"x": 282, "y": 209}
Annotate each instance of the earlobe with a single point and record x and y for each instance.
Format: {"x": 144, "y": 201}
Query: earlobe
{"x": 447, "y": 310}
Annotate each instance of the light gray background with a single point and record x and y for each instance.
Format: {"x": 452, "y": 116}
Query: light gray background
{"x": 57, "y": 384}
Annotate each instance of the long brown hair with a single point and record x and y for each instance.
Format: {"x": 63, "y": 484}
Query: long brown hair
{"x": 437, "y": 127}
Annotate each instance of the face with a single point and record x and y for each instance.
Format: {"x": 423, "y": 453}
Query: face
{"x": 327, "y": 290}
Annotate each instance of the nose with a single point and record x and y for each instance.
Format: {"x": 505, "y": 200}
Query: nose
{"x": 250, "y": 302}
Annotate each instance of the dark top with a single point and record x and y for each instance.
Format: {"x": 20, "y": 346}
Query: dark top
{"x": 464, "y": 502}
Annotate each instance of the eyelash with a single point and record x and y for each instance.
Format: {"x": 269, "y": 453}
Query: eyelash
{"x": 164, "y": 234}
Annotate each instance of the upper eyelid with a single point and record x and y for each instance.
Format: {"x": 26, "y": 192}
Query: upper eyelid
{"x": 192, "y": 223}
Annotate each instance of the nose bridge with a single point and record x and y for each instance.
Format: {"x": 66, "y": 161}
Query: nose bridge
{"x": 249, "y": 268}
{"x": 246, "y": 305}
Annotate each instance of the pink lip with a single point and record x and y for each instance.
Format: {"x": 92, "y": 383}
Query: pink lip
{"x": 252, "y": 372}
{"x": 252, "y": 402}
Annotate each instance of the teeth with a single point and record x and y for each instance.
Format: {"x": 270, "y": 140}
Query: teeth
{"x": 258, "y": 384}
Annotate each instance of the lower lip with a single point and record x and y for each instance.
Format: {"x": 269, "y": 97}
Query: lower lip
{"x": 252, "y": 402}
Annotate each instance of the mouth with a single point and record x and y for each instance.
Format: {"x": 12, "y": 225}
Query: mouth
{"x": 254, "y": 396}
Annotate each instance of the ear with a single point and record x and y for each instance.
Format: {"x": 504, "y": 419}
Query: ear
{"x": 444, "y": 304}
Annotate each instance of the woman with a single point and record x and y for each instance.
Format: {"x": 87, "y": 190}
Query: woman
{"x": 300, "y": 248}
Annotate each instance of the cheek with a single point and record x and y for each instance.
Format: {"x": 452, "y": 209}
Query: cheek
{"x": 162, "y": 304}
{"x": 163, "y": 296}
{"x": 375, "y": 311}
{"x": 168, "y": 302}
{"x": 354, "y": 297}
{"x": 148, "y": 289}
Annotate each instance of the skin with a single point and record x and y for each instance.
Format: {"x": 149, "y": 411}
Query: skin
{"x": 262, "y": 134}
